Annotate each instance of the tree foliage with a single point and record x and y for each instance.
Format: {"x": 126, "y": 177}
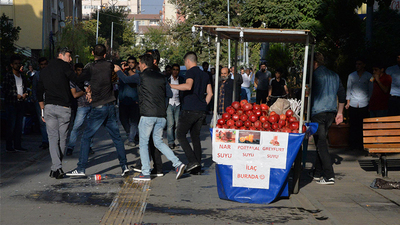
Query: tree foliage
{"x": 8, "y": 35}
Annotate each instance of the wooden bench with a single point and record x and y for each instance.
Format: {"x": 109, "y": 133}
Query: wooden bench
{"x": 381, "y": 137}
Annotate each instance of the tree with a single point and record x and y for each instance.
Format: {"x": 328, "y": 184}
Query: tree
{"x": 8, "y": 35}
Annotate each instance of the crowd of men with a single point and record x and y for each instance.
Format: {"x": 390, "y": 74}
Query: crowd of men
{"x": 75, "y": 102}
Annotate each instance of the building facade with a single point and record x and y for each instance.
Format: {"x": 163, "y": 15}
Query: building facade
{"x": 130, "y": 6}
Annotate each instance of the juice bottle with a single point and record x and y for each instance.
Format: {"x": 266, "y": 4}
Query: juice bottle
{"x": 251, "y": 137}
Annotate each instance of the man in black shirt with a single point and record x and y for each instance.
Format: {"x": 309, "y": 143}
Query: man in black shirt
{"x": 56, "y": 108}
{"x": 103, "y": 110}
{"x": 277, "y": 88}
{"x": 196, "y": 96}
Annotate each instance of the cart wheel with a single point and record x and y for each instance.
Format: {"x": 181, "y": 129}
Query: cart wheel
{"x": 380, "y": 165}
{"x": 384, "y": 164}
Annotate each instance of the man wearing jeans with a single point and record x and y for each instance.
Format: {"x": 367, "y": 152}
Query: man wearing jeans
{"x": 54, "y": 83}
{"x": 152, "y": 93}
{"x": 174, "y": 106}
{"x": 103, "y": 110}
{"x": 196, "y": 96}
{"x": 327, "y": 86}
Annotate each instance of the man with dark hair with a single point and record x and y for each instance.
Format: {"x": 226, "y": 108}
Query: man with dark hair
{"x": 168, "y": 71}
{"x": 83, "y": 109}
{"x": 35, "y": 80}
{"x": 379, "y": 101}
{"x": 56, "y": 107}
{"x": 15, "y": 92}
{"x": 153, "y": 90}
{"x": 394, "y": 100}
{"x": 359, "y": 90}
{"x": 156, "y": 57}
{"x": 196, "y": 96}
{"x": 261, "y": 82}
{"x": 174, "y": 106}
{"x": 277, "y": 87}
{"x": 327, "y": 87}
{"x": 99, "y": 73}
{"x": 129, "y": 104}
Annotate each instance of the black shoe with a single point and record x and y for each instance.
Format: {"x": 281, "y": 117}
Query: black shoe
{"x": 155, "y": 173}
{"x": 125, "y": 171}
{"x": 192, "y": 166}
{"x": 69, "y": 151}
{"x": 196, "y": 171}
{"x": 10, "y": 150}
{"x": 21, "y": 149}
{"x": 171, "y": 146}
{"x": 58, "y": 174}
{"x": 91, "y": 151}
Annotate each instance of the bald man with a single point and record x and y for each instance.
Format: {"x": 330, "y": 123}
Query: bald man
{"x": 225, "y": 90}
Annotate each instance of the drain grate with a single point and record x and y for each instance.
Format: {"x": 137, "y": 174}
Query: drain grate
{"x": 130, "y": 203}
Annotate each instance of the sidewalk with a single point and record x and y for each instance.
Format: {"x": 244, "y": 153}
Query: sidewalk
{"x": 191, "y": 199}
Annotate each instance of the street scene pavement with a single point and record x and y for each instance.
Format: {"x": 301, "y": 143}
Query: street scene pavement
{"x": 30, "y": 196}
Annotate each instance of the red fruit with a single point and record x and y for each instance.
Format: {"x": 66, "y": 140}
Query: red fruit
{"x": 230, "y": 123}
{"x": 264, "y": 113}
{"x": 257, "y": 113}
{"x": 221, "y": 122}
{"x": 292, "y": 119}
{"x": 233, "y": 127}
{"x": 253, "y": 118}
{"x": 239, "y": 112}
{"x": 252, "y": 128}
{"x": 263, "y": 119}
{"x": 243, "y": 117}
{"x": 281, "y": 123}
{"x": 225, "y": 126}
{"x": 242, "y": 128}
{"x": 294, "y": 125}
{"x": 247, "y": 123}
{"x": 266, "y": 125}
{"x": 264, "y": 107}
{"x": 304, "y": 128}
{"x": 257, "y": 124}
{"x": 289, "y": 113}
{"x": 235, "y": 104}
{"x": 219, "y": 126}
{"x": 235, "y": 117}
{"x": 230, "y": 110}
{"x": 247, "y": 107}
{"x": 282, "y": 117}
{"x": 295, "y": 131}
{"x": 256, "y": 107}
{"x": 226, "y": 116}
{"x": 286, "y": 130}
{"x": 273, "y": 118}
{"x": 274, "y": 126}
{"x": 272, "y": 113}
{"x": 243, "y": 102}
{"x": 249, "y": 112}
{"x": 239, "y": 123}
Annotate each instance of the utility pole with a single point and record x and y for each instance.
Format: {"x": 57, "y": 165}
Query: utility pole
{"x": 112, "y": 32}
{"x": 97, "y": 29}
{"x": 229, "y": 42}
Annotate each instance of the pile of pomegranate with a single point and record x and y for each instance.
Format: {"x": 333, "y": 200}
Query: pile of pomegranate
{"x": 246, "y": 116}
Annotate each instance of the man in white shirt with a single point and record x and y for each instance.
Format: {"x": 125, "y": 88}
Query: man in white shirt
{"x": 359, "y": 91}
{"x": 174, "y": 106}
{"x": 245, "y": 85}
{"x": 394, "y": 100}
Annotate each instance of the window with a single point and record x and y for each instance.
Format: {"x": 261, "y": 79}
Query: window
{"x": 6, "y": 2}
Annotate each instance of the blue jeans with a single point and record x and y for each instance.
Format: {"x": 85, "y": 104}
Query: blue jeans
{"x": 81, "y": 115}
{"x": 246, "y": 93}
{"x": 101, "y": 115}
{"x": 155, "y": 124}
{"x": 172, "y": 122}
{"x": 45, "y": 138}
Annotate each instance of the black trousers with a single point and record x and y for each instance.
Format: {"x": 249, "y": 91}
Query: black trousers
{"x": 323, "y": 162}
{"x": 356, "y": 126}
{"x": 155, "y": 154}
{"x": 191, "y": 121}
{"x": 261, "y": 96}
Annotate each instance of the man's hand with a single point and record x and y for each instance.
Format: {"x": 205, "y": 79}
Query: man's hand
{"x": 347, "y": 105}
{"x": 88, "y": 94}
{"x": 339, "y": 118}
{"x": 25, "y": 95}
{"x": 19, "y": 96}
{"x": 116, "y": 68}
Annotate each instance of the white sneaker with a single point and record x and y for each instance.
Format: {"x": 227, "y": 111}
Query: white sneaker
{"x": 326, "y": 181}
{"x": 76, "y": 173}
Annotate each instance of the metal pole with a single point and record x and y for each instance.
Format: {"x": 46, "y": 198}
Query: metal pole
{"x": 97, "y": 29}
{"x": 234, "y": 72}
{"x": 73, "y": 13}
{"x": 229, "y": 42}
{"x": 303, "y": 90}
{"x": 216, "y": 84}
{"x": 44, "y": 26}
{"x": 247, "y": 54}
{"x": 112, "y": 32}
{"x": 310, "y": 84}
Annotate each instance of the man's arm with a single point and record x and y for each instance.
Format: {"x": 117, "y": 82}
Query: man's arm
{"x": 126, "y": 79}
{"x": 184, "y": 87}
{"x": 168, "y": 91}
{"x": 76, "y": 94}
{"x": 209, "y": 93}
{"x": 348, "y": 92}
{"x": 342, "y": 99}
